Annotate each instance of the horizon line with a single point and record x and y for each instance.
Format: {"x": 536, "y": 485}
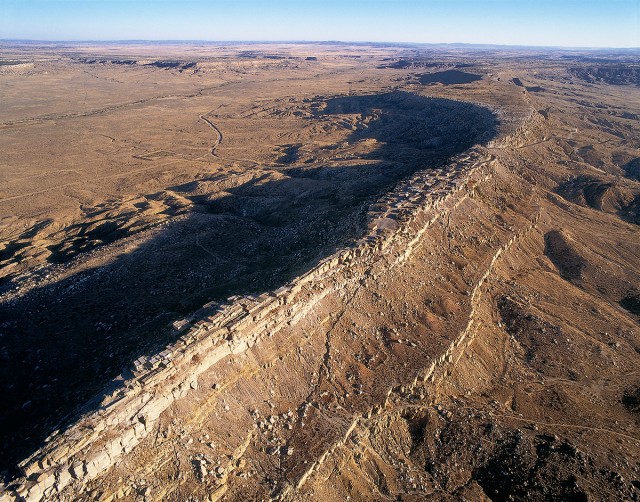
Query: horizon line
{"x": 317, "y": 42}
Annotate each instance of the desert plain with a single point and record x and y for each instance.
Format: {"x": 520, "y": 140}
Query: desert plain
{"x": 319, "y": 272}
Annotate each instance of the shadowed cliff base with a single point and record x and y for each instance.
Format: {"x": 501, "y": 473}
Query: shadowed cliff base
{"x": 64, "y": 342}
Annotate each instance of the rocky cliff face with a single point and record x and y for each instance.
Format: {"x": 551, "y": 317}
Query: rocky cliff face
{"x": 132, "y": 411}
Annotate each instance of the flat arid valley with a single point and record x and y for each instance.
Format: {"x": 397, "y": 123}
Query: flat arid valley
{"x": 319, "y": 272}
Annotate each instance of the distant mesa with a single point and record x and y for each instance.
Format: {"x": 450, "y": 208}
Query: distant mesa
{"x": 407, "y": 64}
{"x": 180, "y": 65}
{"x": 108, "y": 61}
{"x": 449, "y": 77}
{"x": 261, "y": 55}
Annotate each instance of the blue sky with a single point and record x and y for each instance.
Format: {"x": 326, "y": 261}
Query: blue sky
{"x": 586, "y": 23}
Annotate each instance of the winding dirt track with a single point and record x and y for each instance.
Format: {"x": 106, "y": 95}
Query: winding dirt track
{"x": 218, "y": 132}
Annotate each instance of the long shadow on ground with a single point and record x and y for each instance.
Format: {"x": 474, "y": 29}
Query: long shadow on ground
{"x": 63, "y": 343}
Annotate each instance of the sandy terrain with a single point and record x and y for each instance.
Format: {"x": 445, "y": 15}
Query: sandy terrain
{"x": 484, "y": 345}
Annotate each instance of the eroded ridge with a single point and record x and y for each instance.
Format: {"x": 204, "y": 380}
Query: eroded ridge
{"x": 128, "y": 414}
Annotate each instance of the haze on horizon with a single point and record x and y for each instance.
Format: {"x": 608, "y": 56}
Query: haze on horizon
{"x": 568, "y": 23}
